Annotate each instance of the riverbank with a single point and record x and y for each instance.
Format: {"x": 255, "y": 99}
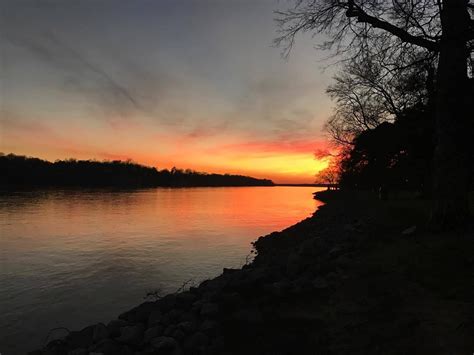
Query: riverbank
{"x": 359, "y": 277}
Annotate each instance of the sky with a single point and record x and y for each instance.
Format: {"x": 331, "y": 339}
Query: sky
{"x": 188, "y": 83}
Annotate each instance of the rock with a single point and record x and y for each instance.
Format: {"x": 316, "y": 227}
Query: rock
{"x": 167, "y": 303}
{"x": 187, "y": 317}
{"x": 187, "y": 327}
{"x": 79, "y": 351}
{"x": 185, "y": 299}
{"x": 209, "y": 310}
{"x": 140, "y": 313}
{"x": 100, "y": 332}
{"x": 114, "y": 327}
{"x": 132, "y": 335}
{"x": 320, "y": 283}
{"x": 153, "y": 332}
{"x": 209, "y": 327}
{"x": 178, "y": 334}
{"x": 232, "y": 299}
{"x": 170, "y": 330}
{"x": 302, "y": 284}
{"x": 165, "y": 345}
{"x": 80, "y": 339}
{"x": 154, "y": 318}
{"x": 172, "y": 316}
{"x": 409, "y": 231}
{"x": 293, "y": 264}
{"x": 279, "y": 288}
{"x": 125, "y": 350}
{"x": 197, "y": 305}
{"x": 227, "y": 271}
{"x": 248, "y": 315}
{"x": 196, "y": 341}
{"x": 106, "y": 347}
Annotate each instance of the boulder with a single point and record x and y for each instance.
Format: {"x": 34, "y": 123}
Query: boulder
{"x": 153, "y": 332}
{"x": 81, "y": 339}
{"x": 154, "y": 317}
{"x": 114, "y": 327}
{"x": 320, "y": 283}
{"x": 209, "y": 310}
{"x": 100, "y": 332}
{"x": 196, "y": 341}
{"x": 106, "y": 347}
{"x": 165, "y": 345}
{"x": 132, "y": 334}
{"x": 140, "y": 313}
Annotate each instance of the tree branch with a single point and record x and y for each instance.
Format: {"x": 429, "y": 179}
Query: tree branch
{"x": 355, "y": 11}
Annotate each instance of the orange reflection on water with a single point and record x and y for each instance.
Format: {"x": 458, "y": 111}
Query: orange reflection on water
{"x": 66, "y": 251}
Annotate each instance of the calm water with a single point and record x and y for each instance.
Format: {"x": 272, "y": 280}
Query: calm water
{"x": 72, "y": 258}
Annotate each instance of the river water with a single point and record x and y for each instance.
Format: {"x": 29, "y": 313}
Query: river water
{"x": 70, "y": 258}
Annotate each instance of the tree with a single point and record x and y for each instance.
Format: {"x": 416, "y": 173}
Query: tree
{"x": 395, "y": 28}
{"x": 329, "y": 175}
{"x": 368, "y": 92}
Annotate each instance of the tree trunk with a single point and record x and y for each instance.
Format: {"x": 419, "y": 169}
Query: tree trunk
{"x": 451, "y": 165}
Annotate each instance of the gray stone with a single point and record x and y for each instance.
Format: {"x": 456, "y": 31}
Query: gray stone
{"x": 132, "y": 335}
{"x": 209, "y": 310}
{"x": 114, "y": 327}
{"x": 106, "y": 347}
{"x": 154, "y": 318}
{"x": 164, "y": 344}
{"x": 248, "y": 315}
{"x": 187, "y": 327}
{"x": 167, "y": 303}
{"x": 320, "y": 283}
{"x": 80, "y": 339}
{"x": 185, "y": 299}
{"x": 209, "y": 327}
{"x": 196, "y": 341}
{"x": 169, "y": 330}
{"x": 100, "y": 332}
{"x": 153, "y": 332}
{"x": 409, "y": 231}
{"x": 140, "y": 313}
{"x": 178, "y": 334}
{"x": 293, "y": 264}
{"x": 79, "y": 351}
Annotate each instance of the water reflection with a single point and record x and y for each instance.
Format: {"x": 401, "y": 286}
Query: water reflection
{"x": 70, "y": 258}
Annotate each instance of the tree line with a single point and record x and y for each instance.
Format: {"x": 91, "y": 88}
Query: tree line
{"x": 22, "y": 171}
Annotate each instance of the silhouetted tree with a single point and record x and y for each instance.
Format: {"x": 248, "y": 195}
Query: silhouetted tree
{"x": 331, "y": 174}
{"x": 368, "y": 93}
{"x": 442, "y": 27}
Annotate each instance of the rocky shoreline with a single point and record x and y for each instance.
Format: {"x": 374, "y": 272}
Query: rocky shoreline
{"x": 315, "y": 287}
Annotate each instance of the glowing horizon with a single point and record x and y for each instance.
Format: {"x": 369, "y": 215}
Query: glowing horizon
{"x": 192, "y": 84}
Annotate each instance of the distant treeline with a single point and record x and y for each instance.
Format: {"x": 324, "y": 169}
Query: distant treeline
{"x": 26, "y": 171}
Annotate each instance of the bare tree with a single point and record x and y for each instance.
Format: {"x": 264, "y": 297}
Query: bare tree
{"x": 372, "y": 89}
{"x": 442, "y": 27}
{"x": 329, "y": 175}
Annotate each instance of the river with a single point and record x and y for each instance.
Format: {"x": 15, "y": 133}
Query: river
{"x": 70, "y": 258}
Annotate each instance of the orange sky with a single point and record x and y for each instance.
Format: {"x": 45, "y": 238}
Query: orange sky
{"x": 193, "y": 84}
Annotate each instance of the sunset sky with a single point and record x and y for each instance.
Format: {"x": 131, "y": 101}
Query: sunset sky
{"x": 193, "y": 84}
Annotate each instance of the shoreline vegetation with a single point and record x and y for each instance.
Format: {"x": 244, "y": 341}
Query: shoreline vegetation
{"x": 360, "y": 276}
{"x": 22, "y": 171}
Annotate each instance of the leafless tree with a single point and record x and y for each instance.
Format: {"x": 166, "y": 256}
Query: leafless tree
{"x": 371, "y": 90}
{"x": 444, "y": 28}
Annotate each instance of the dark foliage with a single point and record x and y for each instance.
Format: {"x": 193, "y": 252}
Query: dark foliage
{"x": 395, "y": 154}
{"x": 26, "y": 171}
